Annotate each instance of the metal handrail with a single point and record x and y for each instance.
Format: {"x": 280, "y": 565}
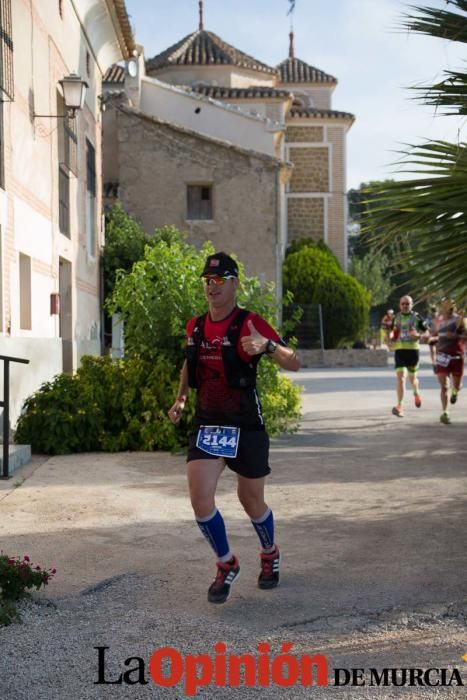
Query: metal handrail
{"x": 6, "y": 412}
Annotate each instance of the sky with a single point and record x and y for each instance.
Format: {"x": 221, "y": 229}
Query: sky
{"x": 357, "y": 41}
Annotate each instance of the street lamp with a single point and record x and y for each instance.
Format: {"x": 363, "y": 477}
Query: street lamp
{"x": 74, "y": 90}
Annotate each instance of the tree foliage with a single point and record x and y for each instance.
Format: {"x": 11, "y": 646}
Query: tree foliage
{"x": 373, "y": 272}
{"x": 164, "y": 290}
{"x": 314, "y": 276}
{"x": 426, "y": 214}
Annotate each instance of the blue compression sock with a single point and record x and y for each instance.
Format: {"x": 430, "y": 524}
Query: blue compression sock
{"x": 213, "y": 528}
{"x": 264, "y": 527}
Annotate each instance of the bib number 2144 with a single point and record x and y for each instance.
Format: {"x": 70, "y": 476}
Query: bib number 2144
{"x": 220, "y": 441}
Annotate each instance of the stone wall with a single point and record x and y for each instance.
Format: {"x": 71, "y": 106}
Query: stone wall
{"x": 311, "y": 169}
{"x": 305, "y": 218}
{"x": 344, "y": 358}
{"x": 305, "y": 134}
{"x": 157, "y": 161}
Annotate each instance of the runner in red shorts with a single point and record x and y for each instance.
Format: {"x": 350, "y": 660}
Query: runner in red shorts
{"x": 449, "y": 332}
{"x": 223, "y": 350}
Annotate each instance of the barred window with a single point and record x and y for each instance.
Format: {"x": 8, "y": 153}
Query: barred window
{"x": 25, "y": 298}
{"x": 67, "y": 139}
{"x": 64, "y": 201}
{"x": 91, "y": 198}
{"x": 6, "y": 50}
{"x": 199, "y": 202}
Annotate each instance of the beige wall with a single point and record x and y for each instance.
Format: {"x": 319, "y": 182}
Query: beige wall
{"x": 227, "y": 76}
{"x": 337, "y": 212}
{"x": 304, "y": 134}
{"x": 311, "y": 169}
{"x": 318, "y": 153}
{"x": 306, "y": 218}
{"x": 156, "y": 164}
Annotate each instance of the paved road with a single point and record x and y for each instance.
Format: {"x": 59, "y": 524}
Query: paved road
{"x": 371, "y": 517}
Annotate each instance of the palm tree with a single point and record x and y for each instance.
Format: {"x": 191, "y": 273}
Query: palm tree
{"x": 427, "y": 213}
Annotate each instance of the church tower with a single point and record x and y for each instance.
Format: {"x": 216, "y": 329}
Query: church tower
{"x": 315, "y": 142}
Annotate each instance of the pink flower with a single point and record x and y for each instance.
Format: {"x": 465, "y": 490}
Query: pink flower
{"x": 26, "y": 558}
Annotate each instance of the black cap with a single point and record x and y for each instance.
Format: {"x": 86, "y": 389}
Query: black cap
{"x": 220, "y": 264}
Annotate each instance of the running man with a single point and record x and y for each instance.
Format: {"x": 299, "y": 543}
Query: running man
{"x": 386, "y": 327}
{"x": 449, "y": 332}
{"x": 429, "y": 322}
{"x": 223, "y": 350}
{"x": 407, "y": 329}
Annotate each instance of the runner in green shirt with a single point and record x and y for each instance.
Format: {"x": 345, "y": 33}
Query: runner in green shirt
{"x": 407, "y": 328}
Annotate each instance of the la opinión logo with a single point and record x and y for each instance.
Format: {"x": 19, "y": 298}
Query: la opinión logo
{"x": 167, "y": 667}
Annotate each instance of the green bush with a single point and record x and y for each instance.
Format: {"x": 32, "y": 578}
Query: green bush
{"x": 118, "y": 405}
{"x": 60, "y": 418}
{"x": 158, "y": 296}
{"x": 314, "y": 276}
{"x": 122, "y": 404}
{"x": 346, "y": 308}
{"x": 124, "y": 245}
{"x": 280, "y": 399}
{"x": 303, "y": 269}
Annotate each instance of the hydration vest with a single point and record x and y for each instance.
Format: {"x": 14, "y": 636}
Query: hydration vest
{"x": 239, "y": 374}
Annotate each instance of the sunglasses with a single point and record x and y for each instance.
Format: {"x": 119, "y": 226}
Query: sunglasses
{"x": 216, "y": 280}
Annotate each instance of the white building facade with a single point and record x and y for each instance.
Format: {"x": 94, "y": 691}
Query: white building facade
{"x": 51, "y": 229}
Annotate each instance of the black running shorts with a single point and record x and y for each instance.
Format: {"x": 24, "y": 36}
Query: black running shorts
{"x": 252, "y": 458}
{"x": 407, "y": 358}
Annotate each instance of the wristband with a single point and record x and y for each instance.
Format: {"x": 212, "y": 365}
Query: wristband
{"x": 181, "y": 398}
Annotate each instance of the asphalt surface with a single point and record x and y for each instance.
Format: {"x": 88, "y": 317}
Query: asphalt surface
{"x": 371, "y": 519}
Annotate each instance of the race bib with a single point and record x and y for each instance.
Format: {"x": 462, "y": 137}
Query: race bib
{"x": 220, "y": 441}
{"x": 443, "y": 360}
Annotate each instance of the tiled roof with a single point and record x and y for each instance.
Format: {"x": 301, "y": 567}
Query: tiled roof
{"x": 230, "y": 93}
{"x": 125, "y": 26}
{"x": 204, "y": 48}
{"x": 114, "y": 74}
{"x": 293, "y": 70}
{"x": 313, "y": 113}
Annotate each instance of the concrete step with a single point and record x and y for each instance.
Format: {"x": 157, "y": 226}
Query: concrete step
{"x": 18, "y": 455}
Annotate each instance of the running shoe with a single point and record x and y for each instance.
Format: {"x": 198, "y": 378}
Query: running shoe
{"x": 397, "y": 411}
{"x": 227, "y": 573}
{"x": 269, "y": 575}
{"x": 418, "y": 400}
{"x": 444, "y": 418}
{"x": 453, "y": 398}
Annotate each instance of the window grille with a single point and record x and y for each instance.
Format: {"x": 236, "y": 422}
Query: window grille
{"x": 6, "y": 51}
{"x": 199, "y": 202}
{"x": 91, "y": 197}
{"x": 64, "y": 201}
{"x": 71, "y": 144}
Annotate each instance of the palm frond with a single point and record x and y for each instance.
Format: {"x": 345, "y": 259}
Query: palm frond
{"x": 430, "y": 212}
{"x": 439, "y": 23}
{"x": 451, "y": 93}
